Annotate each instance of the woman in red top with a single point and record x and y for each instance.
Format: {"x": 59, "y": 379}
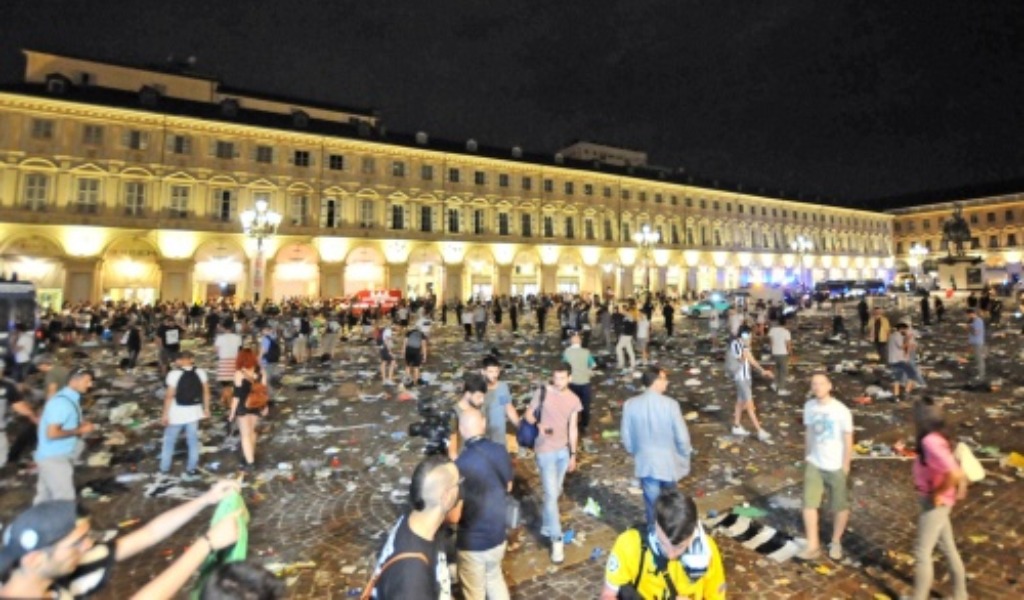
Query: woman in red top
{"x": 940, "y": 483}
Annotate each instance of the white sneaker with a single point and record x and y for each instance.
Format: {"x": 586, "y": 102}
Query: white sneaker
{"x": 557, "y": 552}
{"x": 763, "y": 435}
{"x": 739, "y": 430}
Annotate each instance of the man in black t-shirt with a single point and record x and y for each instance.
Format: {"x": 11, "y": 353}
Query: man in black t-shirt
{"x": 168, "y": 337}
{"x": 423, "y": 570}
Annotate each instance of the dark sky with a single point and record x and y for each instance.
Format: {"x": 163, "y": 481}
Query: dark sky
{"x": 847, "y": 99}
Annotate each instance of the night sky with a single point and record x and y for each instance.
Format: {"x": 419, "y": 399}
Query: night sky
{"x": 848, "y": 100}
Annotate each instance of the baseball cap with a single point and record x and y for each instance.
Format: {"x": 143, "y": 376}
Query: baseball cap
{"x": 39, "y": 527}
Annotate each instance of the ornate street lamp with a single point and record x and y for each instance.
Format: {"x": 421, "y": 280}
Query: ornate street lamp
{"x": 645, "y": 239}
{"x": 259, "y": 223}
{"x": 802, "y": 245}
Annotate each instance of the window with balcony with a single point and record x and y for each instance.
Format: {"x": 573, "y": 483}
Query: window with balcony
{"x": 299, "y": 210}
{"x": 549, "y": 226}
{"x": 570, "y": 228}
{"x": 92, "y": 135}
{"x": 588, "y": 229}
{"x": 330, "y": 213}
{"x": 478, "y": 221}
{"x": 224, "y": 205}
{"x": 336, "y": 162}
{"x": 427, "y": 172}
{"x": 1011, "y": 240}
{"x": 397, "y": 216}
{"x": 224, "y": 150}
{"x": 453, "y": 175}
{"x": 179, "y": 204}
{"x": 36, "y": 193}
{"x": 689, "y": 236}
{"x": 398, "y": 169}
{"x": 42, "y": 129}
{"x": 993, "y": 241}
{"x": 426, "y": 219}
{"x": 134, "y": 198}
{"x": 301, "y": 158}
{"x": 453, "y": 220}
{"x": 366, "y": 214}
{"x": 87, "y": 198}
{"x": 181, "y": 144}
{"x": 609, "y": 231}
{"x": 625, "y": 232}
{"x": 479, "y": 178}
{"x": 675, "y": 234}
{"x": 503, "y": 226}
{"x": 525, "y": 225}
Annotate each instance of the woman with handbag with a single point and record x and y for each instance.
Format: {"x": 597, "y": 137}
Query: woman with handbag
{"x": 250, "y": 402}
{"x": 940, "y": 482}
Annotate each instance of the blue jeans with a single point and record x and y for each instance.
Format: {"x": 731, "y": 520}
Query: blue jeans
{"x": 552, "y": 467}
{"x": 652, "y": 489}
{"x": 171, "y": 439}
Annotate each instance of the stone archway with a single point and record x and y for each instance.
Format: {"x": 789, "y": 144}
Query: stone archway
{"x": 526, "y": 273}
{"x": 131, "y": 271}
{"x": 479, "y": 264}
{"x": 221, "y": 271}
{"x": 296, "y": 272}
{"x": 40, "y": 260}
{"x": 425, "y": 275}
{"x": 364, "y": 270}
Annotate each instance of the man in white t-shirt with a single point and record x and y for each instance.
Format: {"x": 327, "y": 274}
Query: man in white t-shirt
{"x": 829, "y": 451}
{"x": 782, "y": 347}
{"x": 186, "y": 402}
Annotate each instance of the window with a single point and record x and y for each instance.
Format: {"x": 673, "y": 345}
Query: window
{"x": 503, "y": 227}
{"x": 728, "y": 207}
{"x": 136, "y": 140}
{"x": 92, "y": 135}
{"x": 453, "y": 175}
{"x": 527, "y": 183}
{"x": 549, "y": 226}
{"x": 453, "y": 220}
{"x": 88, "y": 197}
{"x": 426, "y": 219}
{"x": 689, "y": 203}
{"x": 990, "y": 217}
{"x": 675, "y": 234}
{"x": 764, "y": 212}
{"x": 625, "y": 232}
{"x": 607, "y": 192}
{"x": 301, "y": 158}
{"x": 299, "y": 210}
{"x": 478, "y": 221}
{"x": 897, "y": 227}
{"x": 739, "y": 208}
{"x": 974, "y": 219}
{"x": 224, "y": 150}
{"x": 568, "y": 188}
{"x": 427, "y": 172}
{"x": 1009, "y": 215}
{"x": 975, "y": 243}
{"x": 223, "y": 205}
{"x": 910, "y": 226}
{"x": 397, "y": 216}
{"x": 899, "y": 247}
{"x": 689, "y": 236}
{"x": 928, "y": 245}
{"x": 525, "y": 225}
{"x": 368, "y": 166}
{"x": 42, "y": 129}
{"x": 480, "y": 178}
{"x": 588, "y": 228}
{"x": 336, "y": 162}
{"x": 926, "y": 224}
{"x": 657, "y": 198}
{"x": 642, "y": 196}
{"x": 503, "y": 180}
{"x": 570, "y": 228}
{"x": 549, "y": 186}
{"x": 716, "y": 207}
{"x": 179, "y": 200}
{"x": 366, "y": 216}
{"x": 608, "y": 231}
{"x": 704, "y": 204}
{"x": 675, "y": 201}
{"x": 993, "y": 240}
{"x": 36, "y": 190}
{"x": 625, "y": 194}
{"x": 330, "y": 212}
{"x": 1011, "y": 240}
{"x": 134, "y": 198}
{"x": 181, "y": 144}
{"x": 398, "y": 169}
{"x": 588, "y": 189}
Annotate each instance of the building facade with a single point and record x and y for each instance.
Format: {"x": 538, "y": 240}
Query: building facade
{"x": 126, "y": 183}
{"x": 997, "y": 229}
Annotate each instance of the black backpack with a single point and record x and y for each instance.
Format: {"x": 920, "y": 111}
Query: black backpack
{"x": 273, "y": 351}
{"x": 189, "y": 391}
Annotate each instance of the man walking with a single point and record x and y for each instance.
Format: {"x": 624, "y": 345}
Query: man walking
{"x": 582, "y": 363}
{"x": 899, "y": 361}
{"x": 829, "y": 442}
{"x": 782, "y": 347}
{"x": 498, "y": 407}
{"x": 626, "y": 331}
{"x": 168, "y": 338}
{"x": 976, "y": 340}
{"x": 186, "y": 402}
{"x": 739, "y": 365}
{"x": 61, "y": 427}
{"x": 863, "y": 314}
{"x": 487, "y": 479}
{"x": 415, "y": 352}
{"x": 878, "y": 329}
{"x": 654, "y": 432}
{"x": 555, "y": 448}
{"x": 385, "y": 343}
{"x": 480, "y": 321}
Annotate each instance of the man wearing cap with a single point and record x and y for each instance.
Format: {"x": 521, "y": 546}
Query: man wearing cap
{"x": 11, "y": 396}
{"x": 186, "y": 402}
{"x": 49, "y": 553}
{"x": 60, "y": 429}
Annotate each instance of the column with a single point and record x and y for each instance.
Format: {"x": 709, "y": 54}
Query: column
{"x": 176, "y": 279}
{"x": 82, "y": 279}
{"x": 504, "y": 287}
{"x": 398, "y": 275}
{"x": 453, "y": 288}
{"x": 332, "y": 279}
{"x": 549, "y": 279}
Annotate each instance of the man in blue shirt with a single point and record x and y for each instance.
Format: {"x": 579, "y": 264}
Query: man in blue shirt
{"x": 976, "y": 339}
{"x": 60, "y": 429}
{"x": 487, "y": 478}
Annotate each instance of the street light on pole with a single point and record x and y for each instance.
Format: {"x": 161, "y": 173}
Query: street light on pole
{"x": 802, "y": 245}
{"x": 259, "y": 223}
{"x": 645, "y": 239}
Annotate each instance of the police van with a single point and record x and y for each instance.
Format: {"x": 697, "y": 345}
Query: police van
{"x": 17, "y": 305}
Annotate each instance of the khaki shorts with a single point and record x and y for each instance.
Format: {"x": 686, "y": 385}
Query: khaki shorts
{"x": 815, "y": 482}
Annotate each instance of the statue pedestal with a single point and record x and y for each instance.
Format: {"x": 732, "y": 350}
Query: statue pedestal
{"x": 962, "y": 272}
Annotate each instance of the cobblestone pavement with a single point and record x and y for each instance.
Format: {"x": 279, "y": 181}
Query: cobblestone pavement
{"x": 321, "y": 526}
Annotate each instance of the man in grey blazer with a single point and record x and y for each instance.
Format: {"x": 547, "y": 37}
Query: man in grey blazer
{"x": 654, "y": 432}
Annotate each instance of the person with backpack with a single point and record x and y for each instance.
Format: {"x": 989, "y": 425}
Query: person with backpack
{"x": 673, "y": 558}
{"x": 415, "y": 352}
{"x": 248, "y": 404}
{"x": 61, "y": 427}
{"x": 738, "y": 364}
{"x": 270, "y": 353}
{"x": 186, "y": 402}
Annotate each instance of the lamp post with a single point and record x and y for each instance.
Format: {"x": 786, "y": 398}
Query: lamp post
{"x": 801, "y": 245}
{"x": 918, "y": 254}
{"x": 645, "y": 239}
{"x": 259, "y": 223}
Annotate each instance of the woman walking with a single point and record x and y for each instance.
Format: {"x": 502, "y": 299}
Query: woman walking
{"x": 243, "y": 413}
{"x": 940, "y": 483}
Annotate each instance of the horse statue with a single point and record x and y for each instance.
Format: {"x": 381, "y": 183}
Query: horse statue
{"x": 956, "y": 232}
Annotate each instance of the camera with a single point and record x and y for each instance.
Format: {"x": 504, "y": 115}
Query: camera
{"x": 434, "y": 426}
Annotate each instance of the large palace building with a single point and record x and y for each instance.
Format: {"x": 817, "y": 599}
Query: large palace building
{"x": 128, "y": 183}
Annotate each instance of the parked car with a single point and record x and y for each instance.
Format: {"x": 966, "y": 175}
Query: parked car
{"x": 702, "y": 308}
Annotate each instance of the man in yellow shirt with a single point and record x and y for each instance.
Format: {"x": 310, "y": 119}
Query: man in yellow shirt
{"x": 675, "y": 560}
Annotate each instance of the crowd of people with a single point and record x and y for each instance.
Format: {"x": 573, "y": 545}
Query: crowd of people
{"x": 468, "y": 487}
